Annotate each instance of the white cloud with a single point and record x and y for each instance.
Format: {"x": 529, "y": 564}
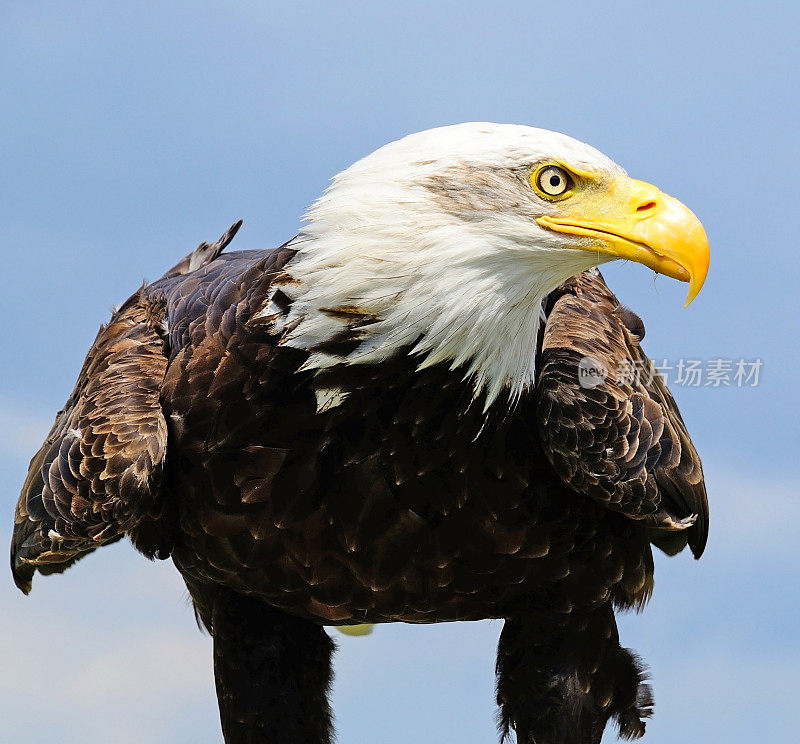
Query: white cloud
{"x": 107, "y": 651}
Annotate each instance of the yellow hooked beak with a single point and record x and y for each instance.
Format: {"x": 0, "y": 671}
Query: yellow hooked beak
{"x": 638, "y": 222}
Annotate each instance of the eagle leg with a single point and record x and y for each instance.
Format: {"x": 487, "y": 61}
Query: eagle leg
{"x": 559, "y": 682}
{"x": 273, "y": 673}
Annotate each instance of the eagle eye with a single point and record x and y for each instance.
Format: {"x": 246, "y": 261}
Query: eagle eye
{"x": 552, "y": 180}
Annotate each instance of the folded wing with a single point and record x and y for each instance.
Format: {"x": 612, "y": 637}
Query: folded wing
{"x": 609, "y": 425}
{"x": 99, "y": 471}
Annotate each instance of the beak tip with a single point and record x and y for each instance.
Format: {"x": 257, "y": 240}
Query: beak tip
{"x": 694, "y": 290}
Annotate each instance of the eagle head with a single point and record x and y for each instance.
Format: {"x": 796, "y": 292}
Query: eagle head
{"x": 443, "y": 244}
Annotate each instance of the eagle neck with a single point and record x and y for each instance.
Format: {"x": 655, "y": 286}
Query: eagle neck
{"x": 475, "y": 309}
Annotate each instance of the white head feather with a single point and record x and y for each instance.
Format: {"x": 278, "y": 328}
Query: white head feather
{"x": 434, "y": 237}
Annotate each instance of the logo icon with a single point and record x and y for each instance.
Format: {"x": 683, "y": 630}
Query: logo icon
{"x": 591, "y": 373}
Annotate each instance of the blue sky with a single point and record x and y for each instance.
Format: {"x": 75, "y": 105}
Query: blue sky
{"x": 132, "y": 131}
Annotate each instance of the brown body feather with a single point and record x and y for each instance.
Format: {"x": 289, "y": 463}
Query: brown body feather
{"x": 196, "y": 432}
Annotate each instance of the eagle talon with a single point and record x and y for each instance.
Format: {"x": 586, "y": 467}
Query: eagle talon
{"x": 663, "y": 521}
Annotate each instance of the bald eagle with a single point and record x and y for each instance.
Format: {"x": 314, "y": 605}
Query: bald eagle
{"x": 388, "y": 418}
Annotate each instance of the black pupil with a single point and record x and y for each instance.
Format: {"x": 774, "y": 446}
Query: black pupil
{"x": 555, "y": 181}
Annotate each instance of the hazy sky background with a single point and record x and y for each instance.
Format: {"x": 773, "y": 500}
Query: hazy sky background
{"x": 132, "y": 131}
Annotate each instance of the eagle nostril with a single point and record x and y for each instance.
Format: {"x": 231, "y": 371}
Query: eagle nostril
{"x": 646, "y": 207}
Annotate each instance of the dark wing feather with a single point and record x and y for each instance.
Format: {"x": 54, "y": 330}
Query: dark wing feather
{"x": 98, "y": 473}
{"x": 204, "y": 254}
{"x": 622, "y": 442}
